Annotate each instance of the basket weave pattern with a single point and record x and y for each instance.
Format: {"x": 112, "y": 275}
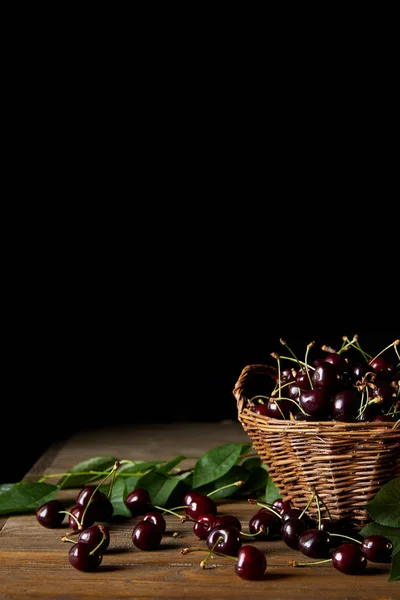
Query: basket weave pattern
{"x": 344, "y": 463}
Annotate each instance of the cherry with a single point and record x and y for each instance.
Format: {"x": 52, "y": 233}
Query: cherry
{"x": 84, "y": 558}
{"x": 349, "y": 559}
{"x": 336, "y": 359}
{"x": 251, "y": 563}
{"x": 279, "y": 409}
{"x": 286, "y": 376}
{"x": 325, "y": 376}
{"x": 89, "y": 492}
{"x": 385, "y": 390}
{"x": 96, "y": 535}
{"x": 203, "y": 525}
{"x": 190, "y": 496}
{"x": 146, "y": 535}
{"x": 377, "y": 548}
{"x": 345, "y": 405}
{"x": 138, "y": 501}
{"x": 49, "y": 514}
{"x": 281, "y": 505}
{"x": 316, "y": 402}
{"x": 85, "y": 516}
{"x": 229, "y": 543}
{"x": 302, "y": 379}
{"x": 290, "y": 531}
{"x": 261, "y": 409}
{"x": 359, "y": 370}
{"x": 157, "y": 519}
{"x": 296, "y": 513}
{"x": 200, "y": 505}
{"x": 315, "y": 543}
{"x": 223, "y": 520}
{"x": 265, "y": 524}
{"x": 382, "y": 367}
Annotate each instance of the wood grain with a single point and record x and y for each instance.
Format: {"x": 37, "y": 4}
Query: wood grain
{"x": 34, "y": 562}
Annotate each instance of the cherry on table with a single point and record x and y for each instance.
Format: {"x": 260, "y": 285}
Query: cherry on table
{"x": 138, "y": 501}
{"x": 229, "y": 543}
{"x": 349, "y": 559}
{"x": 200, "y": 505}
{"x": 251, "y": 563}
{"x": 203, "y": 525}
{"x": 146, "y": 536}
{"x": 290, "y": 531}
{"x": 157, "y": 519}
{"x": 95, "y": 535}
{"x": 315, "y": 543}
{"x": 377, "y": 548}
{"x": 264, "y": 524}
{"x": 85, "y": 516}
{"x": 89, "y": 492}
{"x": 222, "y": 520}
{"x": 49, "y": 514}
{"x": 84, "y": 558}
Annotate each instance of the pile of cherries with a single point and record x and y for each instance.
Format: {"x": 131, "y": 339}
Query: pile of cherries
{"x": 220, "y": 534}
{"x": 334, "y": 386}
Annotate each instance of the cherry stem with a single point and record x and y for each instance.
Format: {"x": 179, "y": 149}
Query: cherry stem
{"x": 310, "y": 345}
{"x": 101, "y": 541}
{"x": 261, "y": 530}
{"x": 307, "y": 505}
{"x": 237, "y": 483}
{"x": 66, "y": 512}
{"x": 319, "y": 510}
{"x": 283, "y": 342}
{"x": 395, "y": 343}
{"x": 294, "y": 563}
{"x": 172, "y": 512}
{"x": 267, "y": 506}
{"x": 203, "y": 562}
{"x": 345, "y": 536}
{"x": 299, "y": 361}
{"x": 111, "y": 472}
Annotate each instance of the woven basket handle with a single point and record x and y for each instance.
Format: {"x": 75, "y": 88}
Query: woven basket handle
{"x": 245, "y": 375}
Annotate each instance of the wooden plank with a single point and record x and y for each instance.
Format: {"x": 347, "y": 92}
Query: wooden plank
{"x": 34, "y": 562}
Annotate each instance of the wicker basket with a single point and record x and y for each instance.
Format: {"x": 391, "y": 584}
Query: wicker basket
{"x": 344, "y": 463}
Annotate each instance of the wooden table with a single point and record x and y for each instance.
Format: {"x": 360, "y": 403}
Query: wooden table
{"x": 34, "y": 563}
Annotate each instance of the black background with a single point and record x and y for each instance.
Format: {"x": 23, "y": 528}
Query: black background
{"x": 120, "y": 329}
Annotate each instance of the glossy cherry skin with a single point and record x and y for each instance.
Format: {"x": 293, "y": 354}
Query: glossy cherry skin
{"x": 290, "y": 531}
{"x": 325, "y": 376}
{"x": 223, "y": 520}
{"x": 316, "y": 402}
{"x": 203, "y": 525}
{"x": 95, "y": 535}
{"x": 265, "y": 524}
{"x": 377, "y": 548}
{"x": 146, "y": 536}
{"x": 251, "y": 563}
{"x": 280, "y": 409}
{"x": 359, "y": 370}
{"x": 49, "y": 514}
{"x": 190, "y": 496}
{"x": 303, "y": 380}
{"x": 89, "y": 492}
{"x": 345, "y": 405}
{"x": 138, "y": 501}
{"x": 261, "y": 409}
{"x": 294, "y": 513}
{"x": 86, "y": 517}
{"x": 336, "y": 359}
{"x": 281, "y": 505}
{"x": 315, "y": 543}
{"x": 349, "y": 559}
{"x": 200, "y": 505}
{"x": 382, "y": 367}
{"x": 80, "y": 558}
{"x": 157, "y": 519}
{"x": 230, "y": 542}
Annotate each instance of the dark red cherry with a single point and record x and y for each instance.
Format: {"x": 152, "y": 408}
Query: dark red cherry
{"x": 382, "y": 367}
{"x": 190, "y": 496}
{"x": 261, "y": 409}
{"x": 49, "y": 514}
{"x": 229, "y": 543}
{"x": 265, "y": 524}
{"x": 325, "y": 376}
{"x": 349, "y": 559}
{"x": 377, "y": 548}
{"x": 315, "y": 543}
{"x": 203, "y": 525}
{"x": 337, "y": 360}
{"x": 157, "y": 519}
{"x": 316, "y": 402}
{"x": 95, "y": 535}
{"x": 290, "y": 531}
{"x": 286, "y": 376}
{"x": 223, "y": 520}
{"x": 386, "y": 391}
{"x": 200, "y": 505}
{"x": 138, "y": 501}
{"x": 251, "y": 563}
{"x": 85, "y": 515}
{"x": 146, "y": 536}
{"x": 281, "y": 505}
{"x": 359, "y": 370}
{"x": 345, "y": 405}
{"x": 294, "y": 513}
{"x": 280, "y": 409}
{"x": 89, "y": 492}
{"x": 303, "y": 379}
{"x": 84, "y": 558}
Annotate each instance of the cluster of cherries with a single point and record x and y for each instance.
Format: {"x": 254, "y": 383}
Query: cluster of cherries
{"x": 222, "y": 534}
{"x": 334, "y": 386}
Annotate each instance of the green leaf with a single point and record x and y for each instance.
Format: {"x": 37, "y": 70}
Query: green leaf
{"x": 25, "y": 497}
{"x": 131, "y": 483}
{"x": 139, "y": 466}
{"x": 271, "y": 491}
{"x": 256, "y": 482}
{"x": 384, "y": 508}
{"x": 117, "y": 498}
{"x": 160, "y": 487}
{"x": 236, "y": 473}
{"x": 98, "y": 463}
{"x": 252, "y": 463}
{"x": 167, "y": 467}
{"x": 374, "y": 528}
{"x": 215, "y": 463}
{"x": 395, "y": 570}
